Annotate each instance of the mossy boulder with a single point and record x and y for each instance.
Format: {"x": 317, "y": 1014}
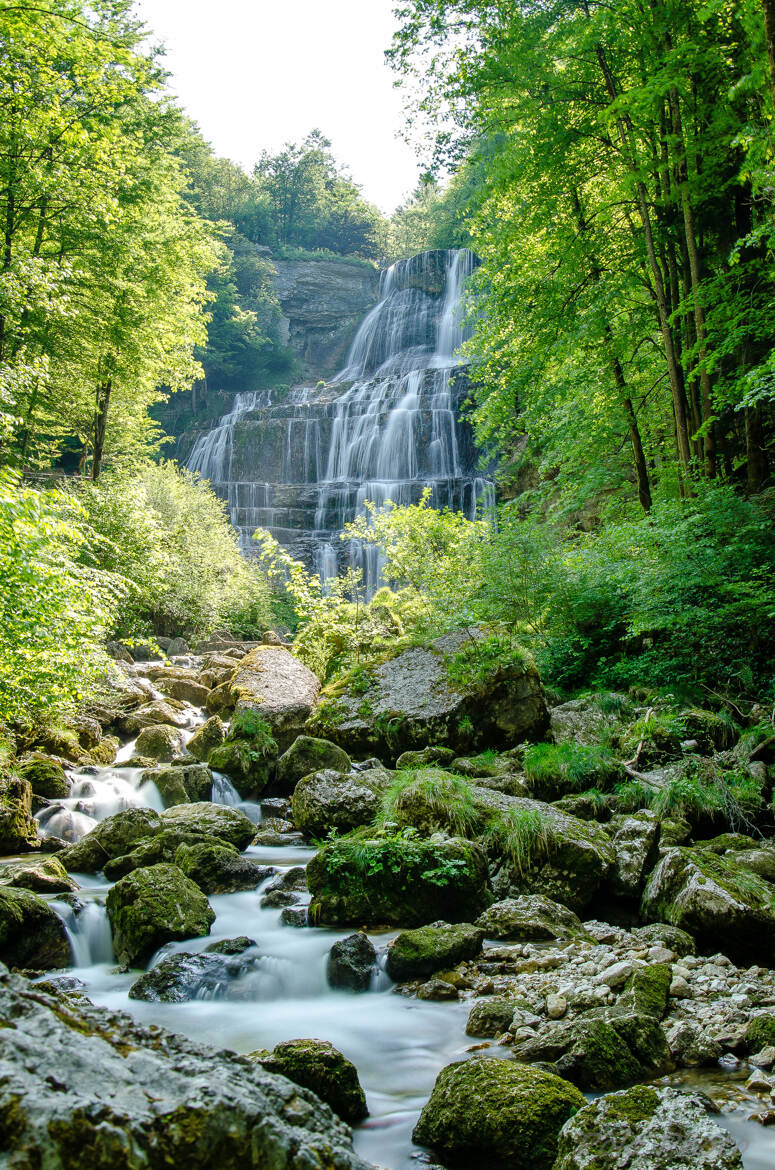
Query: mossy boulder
{"x": 207, "y": 738}
{"x": 18, "y": 830}
{"x": 497, "y": 1113}
{"x": 330, "y": 800}
{"x": 433, "y": 754}
{"x": 248, "y": 755}
{"x": 599, "y": 1054}
{"x": 46, "y": 776}
{"x": 713, "y": 898}
{"x": 279, "y": 688}
{"x": 153, "y": 906}
{"x": 305, "y": 755}
{"x": 490, "y": 1017}
{"x": 31, "y": 933}
{"x": 151, "y": 851}
{"x": 351, "y": 962}
{"x": 553, "y": 771}
{"x": 317, "y": 1065}
{"x": 44, "y": 875}
{"x": 529, "y": 918}
{"x": 211, "y": 821}
{"x": 647, "y": 1126}
{"x": 647, "y": 991}
{"x": 218, "y": 868}
{"x": 760, "y": 1032}
{"x": 183, "y": 784}
{"x": 397, "y": 881}
{"x": 113, "y": 837}
{"x": 161, "y": 742}
{"x": 414, "y": 954}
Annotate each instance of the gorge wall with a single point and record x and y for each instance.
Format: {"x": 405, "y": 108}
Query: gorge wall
{"x": 302, "y": 463}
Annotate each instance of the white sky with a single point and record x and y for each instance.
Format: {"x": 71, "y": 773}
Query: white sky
{"x": 254, "y": 74}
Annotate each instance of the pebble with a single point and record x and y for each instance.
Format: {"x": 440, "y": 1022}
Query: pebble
{"x": 763, "y": 1059}
{"x": 556, "y": 1006}
{"x": 679, "y": 988}
{"x": 616, "y": 975}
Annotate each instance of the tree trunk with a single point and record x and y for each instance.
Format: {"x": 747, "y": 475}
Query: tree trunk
{"x": 756, "y": 455}
{"x": 100, "y": 426}
{"x": 769, "y": 32}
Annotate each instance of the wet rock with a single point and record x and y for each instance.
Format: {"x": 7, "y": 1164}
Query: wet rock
{"x": 305, "y": 755}
{"x": 351, "y": 962}
{"x": 182, "y": 977}
{"x": 713, "y": 898}
{"x": 207, "y": 738}
{"x": 691, "y": 1046}
{"x": 636, "y": 841}
{"x": 46, "y": 776}
{"x": 329, "y": 800}
{"x": 75, "y": 1081}
{"x": 600, "y": 1054}
{"x": 528, "y": 918}
{"x": 420, "y": 952}
{"x": 317, "y": 1065}
{"x": 490, "y": 1017}
{"x": 274, "y": 684}
{"x": 409, "y": 883}
{"x": 180, "y": 785}
{"x": 413, "y": 702}
{"x": 31, "y": 933}
{"x": 186, "y": 690}
{"x": 44, "y": 875}
{"x": 296, "y": 916}
{"x": 211, "y": 820}
{"x": 153, "y": 906}
{"x": 654, "y": 1128}
{"x": 275, "y": 840}
{"x": 437, "y": 990}
{"x": 161, "y": 742}
{"x": 497, "y": 1113}
{"x": 18, "y": 830}
{"x": 113, "y": 837}
{"x": 153, "y": 714}
{"x": 217, "y": 867}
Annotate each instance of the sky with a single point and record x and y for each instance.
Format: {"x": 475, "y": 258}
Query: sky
{"x": 254, "y": 74}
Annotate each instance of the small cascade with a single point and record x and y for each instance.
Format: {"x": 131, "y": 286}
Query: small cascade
{"x": 386, "y": 428}
{"x": 94, "y": 796}
{"x": 88, "y": 931}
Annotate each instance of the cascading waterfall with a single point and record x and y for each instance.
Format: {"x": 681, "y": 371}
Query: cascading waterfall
{"x": 387, "y": 427}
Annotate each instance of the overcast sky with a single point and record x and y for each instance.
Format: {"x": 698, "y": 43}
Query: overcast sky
{"x": 255, "y": 74}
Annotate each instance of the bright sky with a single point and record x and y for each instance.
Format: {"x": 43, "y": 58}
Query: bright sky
{"x": 254, "y": 74}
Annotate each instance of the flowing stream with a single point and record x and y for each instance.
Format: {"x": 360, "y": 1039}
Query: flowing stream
{"x": 387, "y": 427}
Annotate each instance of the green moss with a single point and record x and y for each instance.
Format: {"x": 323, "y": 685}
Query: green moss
{"x": 317, "y": 1065}
{"x": 152, "y": 906}
{"x": 648, "y": 990}
{"x": 46, "y": 776}
{"x": 760, "y": 1033}
{"x": 555, "y": 770}
{"x": 635, "y": 1106}
{"x": 430, "y": 799}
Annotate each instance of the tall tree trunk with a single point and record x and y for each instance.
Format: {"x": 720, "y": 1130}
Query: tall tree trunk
{"x": 757, "y": 466}
{"x": 100, "y": 426}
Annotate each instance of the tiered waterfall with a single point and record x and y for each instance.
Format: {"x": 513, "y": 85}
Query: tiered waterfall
{"x": 385, "y": 428}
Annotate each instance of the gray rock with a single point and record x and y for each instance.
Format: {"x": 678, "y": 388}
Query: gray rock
{"x": 274, "y": 684}
{"x": 207, "y": 738}
{"x": 31, "y": 933}
{"x": 161, "y": 742}
{"x": 420, "y": 952}
{"x": 211, "y": 820}
{"x": 528, "y": 918}
{"x": 584, "y": 720}
{"x": 490, "y": 1017}
{"x": 351, "y": 962}
{"x": 646, "y": 1128}
{"x": 90, "y": 1087}
{"x": 329, "y": 800}
{"x": 635, "y": 840}
{"x": 182, "y": 977}
{"x": 308, "y": 754}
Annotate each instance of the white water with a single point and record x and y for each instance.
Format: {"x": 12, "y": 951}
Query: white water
{"x": 95, "y": 795}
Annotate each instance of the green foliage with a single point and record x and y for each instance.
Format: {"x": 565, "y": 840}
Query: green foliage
{"x": 700, "y": 790}
{"x": 521, "y": 835}
{"x": 250, "y": 725}
{"x": 389, "y": 852}
{"x": 167, "y": 535}
{"x": 577, "y": 764}
{"x": 483, "y": 659}
{"x": 632, "y": 796}
{"x": 440, "y": 794}
{"x": 55, "y": 606}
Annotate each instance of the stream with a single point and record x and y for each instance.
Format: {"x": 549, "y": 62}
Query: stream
{"x": 397, "y": 1044}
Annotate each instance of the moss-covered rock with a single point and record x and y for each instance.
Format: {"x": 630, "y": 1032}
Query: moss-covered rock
{"x": 211, "y": 820}
{"x": 18, "y": 830}
{"x": 655, "y": 1128}
{"x": 44, "y": 875}
{"x": 553, "y": 771}
{"x": 664, "y": 935}
{"x": 647, "y": 990}
{"x": 490, "y": 1017}
{"x": 713, "y": 898}
{"x": 601, "y": 1054}
{"x": 217, "y": 867}
{"x": 113, "y": 837}
{"x": 305, "y": 755}
{"x": 330, "y": 800}
{"x": 417, "y": 953}
{"x": 398, "y": 881}
{"x": 433, "y": 754}
{"x": 151, "y": 851}
{"x": 529, "y": 918}
{"x": 207, "y": 738}
{"x": 46, "y": 776}
{"x": 153, "y": 906}
{"x": 249, "y": 753}
{"x": 497, "y": 1113}
{"x": 317, "y": 1065}
{"x": 183, "y": 784}
{"x": 161, "y": 742}
{"x": 760, "y": 1032}
{"x": 31, "y": 933}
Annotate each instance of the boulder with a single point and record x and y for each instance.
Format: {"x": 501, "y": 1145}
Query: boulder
{"x": 647, "y": 991}
{"x": 185, "y": 690}
{"x": 600, "y": 1053}
{"x": 713, "y": 898}
{"x": 271, "y": 682}
{"x": 529, "y": 918}
{"x": 220, "y": 700}
{"x": 182, "y": 784}
{"x": 414, "y": 702}
{"x": 318, "y": 1066}
{"x": 663, "y": 935}
{"x": 182, "y": 977}
{"x": 207, "y": 738}
{"x": 31, "y": 933}
{"x": 161, "y": 742}
{"x": 216, "y": 669}
{"x": 636, "y": 842}
{"x": 414, "y": 954}
{"x": 161, "y": 847}
{"x": 497, "y": 1113}
{"x": 217, "y": 868}
{"x": 650, "y": 1127}
{"x": 153, "y": 714}
{"x": 177, "y": 647}
{"x": 44, "y": 875}
{"x": 490, "y": 1017}
{"x": 113, "y": 837}
{"x": 329, "y": 800}
{"x": 153, "y": 906}
{"x": 427, "y": 755}
{"x": 588, "y": 721}
{"x": 84, "y": 1087}
{"x": 351, "y": 962}
{"x": 308, "y": 754}
{"x": 210, "y": 820}
{"x": 18, "y": 830}
{"x": 46, "y": 776}
{"x": 397, "y": 881}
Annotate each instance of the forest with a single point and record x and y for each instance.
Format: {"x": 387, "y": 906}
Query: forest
{"x": 540, "y": 743}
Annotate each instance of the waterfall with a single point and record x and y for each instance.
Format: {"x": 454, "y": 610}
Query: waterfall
{"x": 385, "y": 428}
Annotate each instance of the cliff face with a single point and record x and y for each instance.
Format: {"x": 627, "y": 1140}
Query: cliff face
{"x": 323, "y": 303}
